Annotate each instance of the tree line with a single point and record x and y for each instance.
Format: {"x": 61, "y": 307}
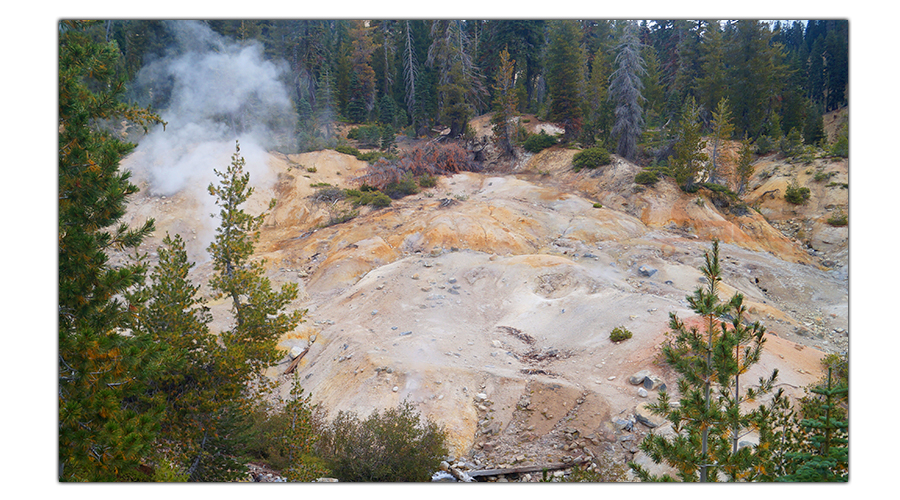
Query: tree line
{"x": 606, "y": 81}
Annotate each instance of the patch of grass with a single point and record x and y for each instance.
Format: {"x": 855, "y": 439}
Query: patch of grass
{"x": 312, "y": 170}
{"x": 598, "y": 205}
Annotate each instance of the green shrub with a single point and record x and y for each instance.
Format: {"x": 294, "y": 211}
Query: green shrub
{"x": 598, "y": 205}
{"x": 404, "y": 187}
{"x": 765, "y": 145}
{"x": 394, "y": 446}
{"x": 822, "y": 176}
{"x": 347, "y": 150}
{"x": 841, "y": 147}
{"x": 368, "y": 136}
{"x": 619, "y": 334}
{"x": 591, "y": 158}
{"x": 536, "y": 143}
{"x": 427, "y": 181}
{"x": 646, "y": 177}
{"x": 839, "y": 219}
{"x": 341, "y": 218}
{"x": 795, "y": 194}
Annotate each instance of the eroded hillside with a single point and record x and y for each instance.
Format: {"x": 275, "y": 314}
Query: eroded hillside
{"x": 488, "y": 299}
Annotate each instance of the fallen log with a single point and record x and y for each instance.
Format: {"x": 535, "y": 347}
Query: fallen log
{"x": 523, "y": 470}
{"x": 295, "y": 362}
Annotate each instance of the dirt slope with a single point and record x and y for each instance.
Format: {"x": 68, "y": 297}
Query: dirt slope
{"x": 488, "y": 299}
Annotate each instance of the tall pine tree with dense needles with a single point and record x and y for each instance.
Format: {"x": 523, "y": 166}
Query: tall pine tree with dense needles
{"x": 101, "y": 367}
{"x": 565, "y": 76}
{"x": 625, "y": 88}
{"x": 709, "y": 418}
{"x": 258, "y": 310}
{"x": 689, "y": 156}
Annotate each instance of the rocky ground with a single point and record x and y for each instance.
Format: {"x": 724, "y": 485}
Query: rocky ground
{"x": 488, "y": 299}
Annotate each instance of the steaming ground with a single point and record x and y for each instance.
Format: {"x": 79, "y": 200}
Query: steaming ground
{"x": 507, "y": 287}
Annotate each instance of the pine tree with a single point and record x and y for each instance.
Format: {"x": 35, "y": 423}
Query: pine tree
{"x": 301, "y": 435}
{"x": 505, "y": 103}
{"x": 177, "y": 320}
{"x": 258, "y": 311}
{"x": 259, "y": 319}
{"x": 101, "y": 367}
{"x": 824, "y": 455}
{"x": 722, "y": 128}
{"x": 565, "y": 76}
{"x": 689, "y": 156}
{"x": 625, "y": 91}
{"x": 744, "y": 165}
{"x": 708, "y": 419}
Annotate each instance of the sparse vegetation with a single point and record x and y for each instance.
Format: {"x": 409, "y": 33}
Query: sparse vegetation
{"x": 619, "y": 334}
{"x": 839, "y": 219}
{"x": 795, "y": 194}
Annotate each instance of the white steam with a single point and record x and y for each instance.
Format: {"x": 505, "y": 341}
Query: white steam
{"x": 211, "y": 91}
{"x": 219, "y": 92}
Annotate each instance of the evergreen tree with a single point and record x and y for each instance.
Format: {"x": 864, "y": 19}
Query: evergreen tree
{"x": 459, "y": 82}
{"x": 565, "y": 76}
{"x": 300, "y": 436}
{"x": 824, "y": 456}
{"x": 259, "y": 319}
{"x": 689, "y": 156}
{"x": 712, "y": 84}
{"x": 505, "y": 104}
{"x": 653, "y": 92}
{"x": 707, "y": 424}
{"x": 177, "y": 320}
{"x": 744, "y": 165}
{"x": 101, "y": 366}
{"x": 361, "y": 100}
{"x": 625, "y": 91}
{"x": 722, "y": 128}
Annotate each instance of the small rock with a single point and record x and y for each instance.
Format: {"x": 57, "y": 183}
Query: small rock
{"x": 642, "y": 392}
{"x": 403, "y": 334}
{"x": 611, "y": 378}
{"x": 646, "y": 271}
{"x": 395, "y": 389}
{"x": 415, "y": 276}
{"x": 638, "y": 378}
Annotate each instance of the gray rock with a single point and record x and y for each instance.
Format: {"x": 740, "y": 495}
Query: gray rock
{"x": 642, "y": 392}
{"x": 652, "y": 382}
{"x": 646, "y": 271}
{"x": 638, "y": 378}
{"x": 403, "y": 334}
